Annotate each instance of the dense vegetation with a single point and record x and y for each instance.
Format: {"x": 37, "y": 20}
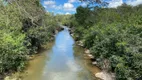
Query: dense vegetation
{"x": 24, "y": 27}
{"x": 114, "y": 36}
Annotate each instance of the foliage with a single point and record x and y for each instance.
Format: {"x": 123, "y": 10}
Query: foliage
{"x": 114, "y": 34}
{"x": 24, "y": 27}
{"x": 63, "y": 19}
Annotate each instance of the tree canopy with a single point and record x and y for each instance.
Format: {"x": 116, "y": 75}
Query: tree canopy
{"x": 115, "y": 35}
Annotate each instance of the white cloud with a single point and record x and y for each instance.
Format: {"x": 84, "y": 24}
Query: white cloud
{"x": 45, "y": 6}
{"x": 115, "y": 3}
{"x": 69, "y": 7}
{"x": 52, "y": 5}
{"x": 67, "y": 13}
{"x": 72, "y": 1}
{"x": 49, "y": 2}
{"x": 66, "y": 7}
{"x": 134, "y": 2}
{"x": 84, "y": 4}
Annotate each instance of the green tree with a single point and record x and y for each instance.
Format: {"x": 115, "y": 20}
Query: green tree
{"x": 114, "y": 34}
{"x": 24, "y": 27}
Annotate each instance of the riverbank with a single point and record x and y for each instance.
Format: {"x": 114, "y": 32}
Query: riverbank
{"x": 92, "y": 65}
{"x": 79, "y": 51}
{"x": 34, "y": 61}
{"x": 36, "y": 64}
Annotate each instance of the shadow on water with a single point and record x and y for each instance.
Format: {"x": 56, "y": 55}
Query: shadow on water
{"x": 62, "y": 64}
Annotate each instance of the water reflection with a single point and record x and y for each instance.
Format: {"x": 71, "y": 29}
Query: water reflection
{"x": 61, "y": 65}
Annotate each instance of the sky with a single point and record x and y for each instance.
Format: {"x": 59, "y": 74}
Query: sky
{"x": 69, "y": 6}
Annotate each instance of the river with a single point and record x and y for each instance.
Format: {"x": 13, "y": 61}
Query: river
{"x": 60, "y": 63}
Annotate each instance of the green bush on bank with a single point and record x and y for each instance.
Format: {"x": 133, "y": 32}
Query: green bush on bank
{"x": 113, "y": 34}
{"x": 24, "y": 27}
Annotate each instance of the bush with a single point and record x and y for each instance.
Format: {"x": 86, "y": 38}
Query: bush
{"x": 24, "y": 27}
{"x": 114, "y": 35}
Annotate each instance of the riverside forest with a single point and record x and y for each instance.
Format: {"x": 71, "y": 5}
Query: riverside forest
{"x": 97, "y": 42}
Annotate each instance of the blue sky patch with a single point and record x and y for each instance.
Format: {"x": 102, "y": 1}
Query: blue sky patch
{"x": 69, "y": 6}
